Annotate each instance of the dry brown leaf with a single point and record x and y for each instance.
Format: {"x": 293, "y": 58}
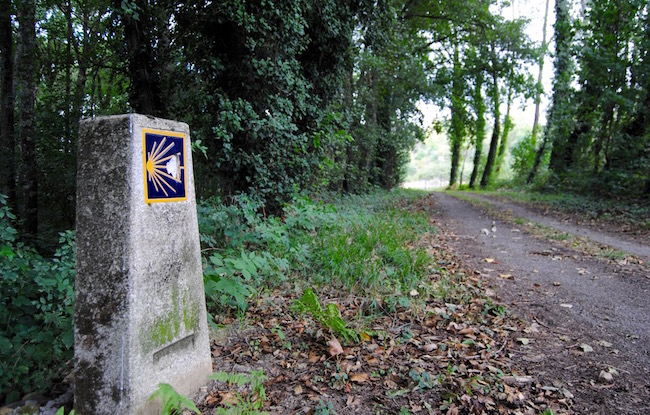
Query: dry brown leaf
{"x": 352, "y": 401}
{"x": 429, "y": 347}
{"x": 360, "y": 377}
{"x": 335, "y": 347}
{"x": 314, "y": 357}
{"x": 228, "y": 398}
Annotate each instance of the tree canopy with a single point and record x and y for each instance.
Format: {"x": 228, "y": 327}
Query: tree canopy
{"x": 284, "y": 97}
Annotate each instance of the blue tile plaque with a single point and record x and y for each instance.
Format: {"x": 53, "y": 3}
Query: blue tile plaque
{"x": 164, "y": 166}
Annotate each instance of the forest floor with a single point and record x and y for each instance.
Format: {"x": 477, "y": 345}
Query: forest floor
{"x": 572, "y": 339}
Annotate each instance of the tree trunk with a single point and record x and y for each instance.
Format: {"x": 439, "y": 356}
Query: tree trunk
{"x": 146, "y": 89}
{"x": 479, "y": 106}
{"x": 7, "y": 138}
{"x": 494, "y": 142}
{"x": 503, "y": 143}
{"x": 456, "y": 132}
{"x": 27, "y": 86}
{"x": 559, "y": 119}
{"x": 540, "y": 77}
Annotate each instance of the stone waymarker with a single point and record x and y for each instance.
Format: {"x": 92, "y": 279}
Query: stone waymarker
{"x": 140, "y": 316}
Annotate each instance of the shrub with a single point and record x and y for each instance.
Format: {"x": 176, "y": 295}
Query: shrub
{"x": 37, "y": 306}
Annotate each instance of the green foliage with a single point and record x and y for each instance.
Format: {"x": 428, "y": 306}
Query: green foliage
{"x": 37, "y": 304}
{"x": 61, "y": 411}
{"x": 599, "y": 126}
{"x": 424, "y": 380}
{"x": 523, "y": 155}
{"x": 173, "y": 403}
{"x": 252, "y": 403}
{"x": 329, "y": 317}
{"x": 370, "y": 250}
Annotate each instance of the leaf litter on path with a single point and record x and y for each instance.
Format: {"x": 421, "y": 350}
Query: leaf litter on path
{"x": 451, "y": 349}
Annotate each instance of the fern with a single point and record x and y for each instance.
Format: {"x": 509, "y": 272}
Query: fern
{"x": 172, "y": 401}
{"x": 249, "y": 405}
{"x": 330, "y": 317}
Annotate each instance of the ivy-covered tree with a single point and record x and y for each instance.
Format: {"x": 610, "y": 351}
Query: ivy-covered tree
{"x": 590, "y": 126}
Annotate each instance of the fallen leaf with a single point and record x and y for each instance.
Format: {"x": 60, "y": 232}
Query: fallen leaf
{"x": 517, "y": 380}
{"x": 414, "y": 293}
{"x": 335, "y": 347}
{"x": 605, "y": 377}
{"x": 297, "y": 390}
{"x": 605, "y": 343}
{"x": 314, "y": 357}
{"x": 228, "y": 398}
{"x": 429, "y": 347}
{"x": 352, "y": 401}
{"x": 489, "y": 260}
{"x": 523, "y": 340}
{"x": 586, "y": 348}
{"x": 359, "y": 377}
{"x": 506, "y": 276}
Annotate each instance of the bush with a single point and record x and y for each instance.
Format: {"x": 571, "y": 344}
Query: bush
{"x": 37, "y": 306}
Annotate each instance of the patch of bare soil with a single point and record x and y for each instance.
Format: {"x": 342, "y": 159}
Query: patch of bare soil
{"x": 588, "y": 318}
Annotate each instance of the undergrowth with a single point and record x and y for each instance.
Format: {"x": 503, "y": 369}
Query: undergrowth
{"x": 361, "y": 243}
{"x": 37, "y": 334}
{"x": 633, "y": 212}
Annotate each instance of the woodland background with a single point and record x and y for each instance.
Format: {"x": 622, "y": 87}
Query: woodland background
{"x": 289, "y": 96}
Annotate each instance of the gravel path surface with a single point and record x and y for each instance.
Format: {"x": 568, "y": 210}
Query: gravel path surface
{"x": 587, "y": 315}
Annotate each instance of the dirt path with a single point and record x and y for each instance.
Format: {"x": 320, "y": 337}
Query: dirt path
{"x": 587, "y": 316}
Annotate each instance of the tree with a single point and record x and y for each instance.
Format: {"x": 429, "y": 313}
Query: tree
{"x": 27, "y": 91}
{"x": 478, "y": 103}
{"x": 508, "y": 51}
{"x": 458, "y": 116}
{"x": 7, "y": 139}
{"x": 559, "y": 119}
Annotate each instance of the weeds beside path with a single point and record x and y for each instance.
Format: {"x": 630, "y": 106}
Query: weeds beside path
{"x": 589, "y": 310}
{"x": 614, "y": 234}
{"x": 380, "y": 318}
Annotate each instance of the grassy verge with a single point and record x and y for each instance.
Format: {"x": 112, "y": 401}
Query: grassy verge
{"x": 634, "y": 214}
{"x": 572, "y": 241}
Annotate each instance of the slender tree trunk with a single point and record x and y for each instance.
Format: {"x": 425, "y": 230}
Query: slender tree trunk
{"x": 494, "y": 142}
{"x": 27, "y": 87}
{"x": 68, "y": 74}
{"x": 540, "y": 77}
{"x": 559, "y": 120}
{"x": 479, "y": 106}
{"x": 7, "y": 138}
{"x": 456, "y": 132}
{"x": 503, "y": 143}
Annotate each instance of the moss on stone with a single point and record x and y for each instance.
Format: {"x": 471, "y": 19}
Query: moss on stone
{"x": 167, "y": 327}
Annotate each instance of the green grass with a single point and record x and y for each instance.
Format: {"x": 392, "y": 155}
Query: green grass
{"x": 635, "y": 213}
{"x": 371, "y": 246}
{"x": 547, "y": 232}
{"x": 366, "y": 244}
